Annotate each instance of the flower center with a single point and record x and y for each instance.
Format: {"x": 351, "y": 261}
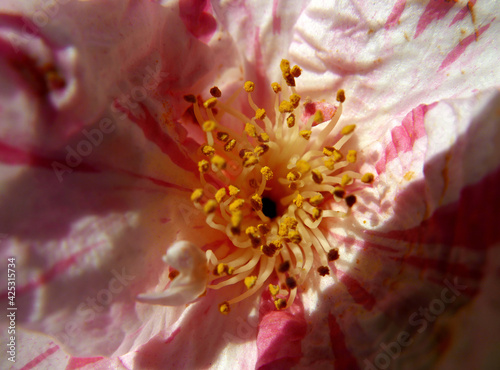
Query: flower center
{"x": 269, "y": 185}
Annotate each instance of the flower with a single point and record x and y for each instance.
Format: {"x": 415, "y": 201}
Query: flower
{"x": 88, "y": 223}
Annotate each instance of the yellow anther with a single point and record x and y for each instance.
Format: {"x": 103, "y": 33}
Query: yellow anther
{"x": 233, "y": 190}
{"x": 293, "y": 176}
{"x": 286, "y": 107}
{"x": 328, "y": 150}
{"x": 253, "y": 233}
{"x": 317, "y": 176}
{"x": 245, "y": 153}
{"x": 367, "y": 178}
{"x": 261, "y": 149}
{"x": 276, "y": 87}
{"x": 224, "y": 308}
{"x": 230, "y": 145}
{"x": 339, "y": 192}
{"x": 280, "y": 303}
{"x": 318, "y": 116}
{"x": 302, "y": 166}
{"x": 203, "y": 166}
{"x": 236, "y": 219}
{"x": 209, "y": 126}
{"x": 222, "y": 136}
{"x": 277, "y": 244}
{"x": 250, "y": 161}
{"x": 341, "y": 95}
{"x": 294, "y": 236}
{"x": 256, "y": 202}
{"x": 287, "y": 75}
{"x": 351, "y": 156}
{"x": 298, "y": 201}
{"x": 316, "y": 200}
{"x": 293, "y": 185}
{"x": 284, "y": 66}
{"x": 266, "y": 171}
{"x": 263, "y": 229}
{"x": 271, "y": 248}
{"x": 197, "y": 195}
{"x": 190, "y": 98}
{"x": 249, "y": 86}
{"x": 220, "y": 194}
{"x": 260, "y": 113}
{"x": 264, "y": 137}
{"x": 250, "y": 130}
{"x": 250, "y": 281}
{"x": 330, "y": 163}
{"x": 210, "y": 206}
{"x": 291, "y": 222}
{"x": 346, "y": 179}
{"x": 208, "y": 150}
{"x": 210, "y": 103}
{"x": 316, "y": 213}
{"x": 290, "y": 120}
{"x": 221, "y": 268}
{"x": 337, "y": 156}
{"x": 236, "y": 204}
{"x": 295, "y": 99}
{"x": 215, "y": 92}
{"x": 296, "y": 71}
{"x": 274, "y": 289}
{"x": 346, "y": 130}
{"x": 219, "y": 162}
{"x": 306, "y": 134}
{"x": 230, "y": 270}
{"x": 282, "y": 229}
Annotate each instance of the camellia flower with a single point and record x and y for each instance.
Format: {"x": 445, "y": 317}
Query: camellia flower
{"x": 193, "y": 185}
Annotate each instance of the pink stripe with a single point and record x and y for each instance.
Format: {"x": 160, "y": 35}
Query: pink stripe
{"x": 397, "y": 10}
{"x": 460, "y": 48}
{"x": 404, "y": 136}
{"x": 463, "y": 12}
{"x": 344, "y": 360}
{"x": 41, "y": 357}
{"x": 471, "y": 222}
{"x": 79, "y": 362}
{"x": 435, "y": 10}
{"x": 173, "y": 335}
{"x": 356, "y": 290}
{"x": 154, "y": 133}
{"x": 276, "y": 18}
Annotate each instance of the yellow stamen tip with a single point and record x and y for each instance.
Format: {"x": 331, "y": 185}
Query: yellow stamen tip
{"x": 219, "y": 162}
{"x": 346, "y": 179}
{"x": 293, "y": 176}
{"x": 306, "y": 134}
{"x": 197, "y": 195}
{"x": 250, "y": 281}
{"x": 290, "y": 120}
{"x": 236, "y": 220}
{"x": 215, "y": 92}
{"x": 285, "y": 65}
{"x": 224, "y": 308}
{"x": 249, "y": 86}
{"x": 318, "y": 116}
{"x": 276, "y": 87}
{"x": 233, "y": 190}
{"x": 346, "y": 130}
{"x": 294, "y": 236}
{"x": 203, "y": 166}
{"x": 256, "y": 202}
{"x": 330, "y": 163}
{"x": 210, "y": 206}
{"x": 351, "y": 156}
{"x": 263, "y": 229}
{"x": 286, "y": 107}
{"x": 210, "y": 103}
{"x": 267, "y": 173}
{"x": 316, "y": 200}
{"x": 316, "y": 213}
{"x": 341, "y": 95}
{"x": 250, "y": 130}
{"x": 274, "y": 289}
{"x": 209, "y": 126}
{"x": 221, "y": 268}
{"x": 222, "y": 136}
{"x": 368, "y": 178}
{"x": 295, "y": 99}
{"x": 236, "y": 205}
{"x": 260, "y": 113}
{"x": 220, "y": 194}
{"x": 208, "y": 150}
{"x": 291, "y": 222}
{"x": 302, "y": 166}
{"x": 296, "y": 71}
{"x": 230, "y": 145}
{"x": 264, "y": 137}
{"x": 280, "y": 303}
{"x": 299, "y": 201}
{"x": 250, "y": 160}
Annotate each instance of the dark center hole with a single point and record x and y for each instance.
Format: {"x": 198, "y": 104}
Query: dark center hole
{"x": 269, "y": 208}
